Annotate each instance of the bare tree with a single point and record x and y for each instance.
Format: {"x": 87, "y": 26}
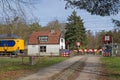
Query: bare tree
{"x": 13, "y": 7}
{"x": 13, "y": 13}
{"x": 55, "y": 24}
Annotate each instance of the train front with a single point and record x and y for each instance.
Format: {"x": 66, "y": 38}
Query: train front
{"x": 11, "y": 46}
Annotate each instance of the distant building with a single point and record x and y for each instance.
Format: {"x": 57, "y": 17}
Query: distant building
{"x": 46, "y": 43}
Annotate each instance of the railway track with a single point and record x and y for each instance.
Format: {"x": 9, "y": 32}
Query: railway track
{"x": 71, "y": 72}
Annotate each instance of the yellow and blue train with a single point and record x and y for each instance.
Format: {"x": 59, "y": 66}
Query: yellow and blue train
{"x": 11, "y": 45}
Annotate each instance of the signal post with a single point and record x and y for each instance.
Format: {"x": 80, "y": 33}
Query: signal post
{"x": 108, "y": 44}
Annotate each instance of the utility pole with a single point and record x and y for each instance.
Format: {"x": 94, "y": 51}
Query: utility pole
{"x": 112, "y": 46}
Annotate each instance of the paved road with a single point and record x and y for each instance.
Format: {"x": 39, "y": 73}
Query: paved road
{"x": 47, "y": 73}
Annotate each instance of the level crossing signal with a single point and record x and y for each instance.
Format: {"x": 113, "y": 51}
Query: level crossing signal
{"x": 107, "y": 39}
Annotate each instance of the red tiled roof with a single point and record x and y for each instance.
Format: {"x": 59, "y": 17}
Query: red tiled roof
{"x": 53, "y": 38}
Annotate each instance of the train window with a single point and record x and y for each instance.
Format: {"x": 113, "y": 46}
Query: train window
{"x": 8, "y": 43}
{"x": 0, "y": 43}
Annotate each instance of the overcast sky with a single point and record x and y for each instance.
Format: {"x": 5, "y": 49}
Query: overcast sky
{"x": 49, "y": 10}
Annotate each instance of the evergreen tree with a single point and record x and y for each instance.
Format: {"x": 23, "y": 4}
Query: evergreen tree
{"x": 75, "y": 31}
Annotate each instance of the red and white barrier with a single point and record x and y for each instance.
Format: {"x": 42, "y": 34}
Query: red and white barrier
{"x": 65, "y": 54}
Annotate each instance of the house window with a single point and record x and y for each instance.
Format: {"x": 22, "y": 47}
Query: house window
{"x": 61, "y": 47}
{"x": 43, "y": 38}
{"x": 61, "y": 40}
{"x": 42, "y": 48}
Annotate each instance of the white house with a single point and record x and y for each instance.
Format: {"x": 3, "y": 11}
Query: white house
{"x": 46, "y": 43}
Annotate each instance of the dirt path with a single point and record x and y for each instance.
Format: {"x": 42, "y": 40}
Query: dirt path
{"x": 76, "y": 68}
{"x": 91, "y": 70}
{"x": 87, "y": 68}
{"x": 47, "y": 73}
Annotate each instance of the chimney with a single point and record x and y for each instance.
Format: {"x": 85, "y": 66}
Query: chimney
{"x": 52, "y": 31}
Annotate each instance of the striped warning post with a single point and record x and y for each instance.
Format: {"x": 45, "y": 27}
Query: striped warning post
{"x": 65, "y": 54}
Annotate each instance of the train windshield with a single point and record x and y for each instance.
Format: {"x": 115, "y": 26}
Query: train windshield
{"x": 8, "y": 43}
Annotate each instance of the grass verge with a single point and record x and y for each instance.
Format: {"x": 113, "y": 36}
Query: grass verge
{"x": 112, "y": 67}
{"x": 12, "y": 68}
